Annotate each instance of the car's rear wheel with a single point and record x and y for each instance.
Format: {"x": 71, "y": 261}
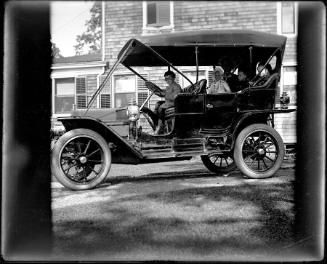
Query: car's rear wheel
{"x": 219, "y": 163}
{"x": 259, "y": 151}
{"x": 81, "y": 159}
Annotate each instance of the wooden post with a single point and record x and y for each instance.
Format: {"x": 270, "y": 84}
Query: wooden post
{"x": 26, "y": 196}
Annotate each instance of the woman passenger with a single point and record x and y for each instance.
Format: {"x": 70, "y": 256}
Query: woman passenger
{"x": 218, "y": 85}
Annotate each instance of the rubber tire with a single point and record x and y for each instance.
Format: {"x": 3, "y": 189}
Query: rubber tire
{"x": 213, "y": 168}
{"x": 238, "y": 157}
{"x": 55, "y": 159}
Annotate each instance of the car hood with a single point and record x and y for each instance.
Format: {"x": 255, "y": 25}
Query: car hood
{"x": 105, "y": 115}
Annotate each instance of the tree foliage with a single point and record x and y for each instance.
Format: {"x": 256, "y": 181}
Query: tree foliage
{"x": 55, "y": 51}
{"x": 90, "y": 40}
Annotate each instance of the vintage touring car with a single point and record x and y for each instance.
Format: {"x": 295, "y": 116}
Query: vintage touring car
{"x": 228, "y": 130}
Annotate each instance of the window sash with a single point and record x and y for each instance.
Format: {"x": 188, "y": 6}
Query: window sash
{"x": 289, "y": 75}
{"x": 158, "y": 13}
{"x": 63, "y": 104}
{"x": 124, "y": 84}
{"x": 288, "y": 18}
{"x": 64, "y": 96}
{"x": 65, "y": 87}
{"x": 124, "y": 89}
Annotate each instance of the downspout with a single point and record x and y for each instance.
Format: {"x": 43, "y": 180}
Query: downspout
{"x": 103, "y": 30}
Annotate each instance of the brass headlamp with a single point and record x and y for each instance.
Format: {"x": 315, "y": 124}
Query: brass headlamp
{"x": 133, "y": 113}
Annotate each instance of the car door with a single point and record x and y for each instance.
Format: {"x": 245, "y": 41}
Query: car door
{"x": 219, "y": 110}
{"x": 189, "y": 110}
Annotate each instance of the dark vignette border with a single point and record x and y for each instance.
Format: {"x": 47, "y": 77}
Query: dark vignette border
{"x": 26, "y": 194}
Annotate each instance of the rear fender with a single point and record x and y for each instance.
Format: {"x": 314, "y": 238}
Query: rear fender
{"x": 122, "y": 151}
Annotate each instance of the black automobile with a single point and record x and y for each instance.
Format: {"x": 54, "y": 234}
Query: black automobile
{"x": 228, "y": 130}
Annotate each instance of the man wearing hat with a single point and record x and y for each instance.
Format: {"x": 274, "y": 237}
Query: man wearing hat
{"x": 218, "y": 85}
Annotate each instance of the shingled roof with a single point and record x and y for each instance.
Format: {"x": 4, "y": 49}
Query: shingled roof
{"x": 78, "y": 59}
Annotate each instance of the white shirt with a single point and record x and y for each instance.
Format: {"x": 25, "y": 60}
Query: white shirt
{"x": 219, "y": 87}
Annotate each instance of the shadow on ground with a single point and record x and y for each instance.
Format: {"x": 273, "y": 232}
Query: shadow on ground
{"x": 197, "y": 220}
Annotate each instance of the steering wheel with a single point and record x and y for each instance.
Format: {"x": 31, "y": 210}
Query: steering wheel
{"x": 196, "y": 88}
{"x": 154, "y": 89}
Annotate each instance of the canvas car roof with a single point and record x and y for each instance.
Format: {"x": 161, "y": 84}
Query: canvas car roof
{"x": 178, "y": 48}
{"x": 216, "y": 38}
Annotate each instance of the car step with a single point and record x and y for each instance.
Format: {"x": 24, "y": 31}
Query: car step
{"x": 171, "y": 154}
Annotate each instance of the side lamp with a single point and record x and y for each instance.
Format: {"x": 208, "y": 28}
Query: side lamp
{"x": 284, "y": 100}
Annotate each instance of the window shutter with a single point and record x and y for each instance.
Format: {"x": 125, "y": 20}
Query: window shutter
{"x": 105, "y": 101}
{"x": 81, "y": 101}
{"x": 163, "y": 10}
{"x": 80, "y": 92}
{"x": 105, "y": 95}
{"x": 80, "y": 85}
{"x": 142, "y": 91}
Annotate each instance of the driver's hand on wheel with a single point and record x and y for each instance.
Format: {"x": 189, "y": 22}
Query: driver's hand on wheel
{"x": 155, "y": 89}
{"x": 150, "y": 85}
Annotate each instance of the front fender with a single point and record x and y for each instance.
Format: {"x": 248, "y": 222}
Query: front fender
{"x": 247, "y": 119}
{"x": 122, "y": 150}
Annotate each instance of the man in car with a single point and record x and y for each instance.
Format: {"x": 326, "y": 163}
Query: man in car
{"x": 171, "y": 91}
{"x": 229, "y": 77}
{"x": 242, "y": 80}
{"x": 265, "y": 73}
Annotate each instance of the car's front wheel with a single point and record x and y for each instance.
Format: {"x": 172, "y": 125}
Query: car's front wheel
{"x": 81, "y": 159}
{"x": 259, "y": 151}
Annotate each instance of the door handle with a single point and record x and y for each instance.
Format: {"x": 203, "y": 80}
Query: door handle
{"x": 209, "y": 106}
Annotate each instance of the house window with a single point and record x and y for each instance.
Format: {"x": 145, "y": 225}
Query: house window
{"x": 125, "y": 89}
{"x": 287, "y": 18}
{"x": 64, "y": 95}
{"x": 289, "y": 81}
{"x": 157, "y": 14}
{"x": 289, "y": 75}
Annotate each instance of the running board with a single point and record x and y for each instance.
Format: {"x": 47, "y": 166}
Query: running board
{"x": 164, "y": 154}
